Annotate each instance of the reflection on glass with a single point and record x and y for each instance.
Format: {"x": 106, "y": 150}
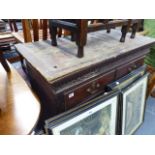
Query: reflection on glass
{"x": 95, "y": 124}
{"x": 134, "y": 105}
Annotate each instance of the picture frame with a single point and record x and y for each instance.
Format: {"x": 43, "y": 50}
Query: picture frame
{"x": 97, "y": 117}
{"x": 134, "y": 97}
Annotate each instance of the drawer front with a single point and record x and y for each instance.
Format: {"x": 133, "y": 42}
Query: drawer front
{"x": 86, "y": 91}
{"x": 127, "y": 68}
{"x": 139, "y": 62}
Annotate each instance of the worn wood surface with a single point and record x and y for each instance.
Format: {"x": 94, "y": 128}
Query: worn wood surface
{"x": 56, "y": 62}
{"x": 19, "y": 109}
{"x": 6, "y": 38}
{"x": 4, "y": 35}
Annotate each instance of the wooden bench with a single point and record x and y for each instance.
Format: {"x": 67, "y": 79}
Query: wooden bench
{"x": 80, "y": 27}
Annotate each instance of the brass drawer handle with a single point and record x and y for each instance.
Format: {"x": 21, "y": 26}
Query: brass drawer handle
{"x": 93, "y": 88}
{"x": 92, "y": 91}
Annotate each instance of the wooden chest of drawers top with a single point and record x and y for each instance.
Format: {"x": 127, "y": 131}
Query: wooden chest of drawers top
{"x": 54, "y": 63}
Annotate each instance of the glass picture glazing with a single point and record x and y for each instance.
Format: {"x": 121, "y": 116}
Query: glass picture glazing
{"x": 100, "y": 120}
{"x": 133, "y": 106}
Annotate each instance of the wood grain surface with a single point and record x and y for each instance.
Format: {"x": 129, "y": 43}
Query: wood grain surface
{"x": 19, "y": 108}
{"x": 56, "y": 62}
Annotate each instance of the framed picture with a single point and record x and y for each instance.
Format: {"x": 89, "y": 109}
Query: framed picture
{"x": 134, "y": 97}
{"x": 97, "y": 117}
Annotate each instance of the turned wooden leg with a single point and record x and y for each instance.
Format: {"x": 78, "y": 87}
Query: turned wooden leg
{"x": 108, "y": 30}
{"x": 53, "y": 32}
{"x": 124, "y": 32}
{"x": 60, "y": 32}
{"x": 134, "y": 29}
{"x": 80, "y": 51}
{"x": 81, "y": 36}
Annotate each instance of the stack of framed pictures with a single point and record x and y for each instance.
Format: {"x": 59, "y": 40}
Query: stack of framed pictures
{"x": 132, "y": 99}
{"x": 97, "y": 117}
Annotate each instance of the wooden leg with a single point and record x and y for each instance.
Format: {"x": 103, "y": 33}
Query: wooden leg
{"x": 134, "y": 29}
{"x": 53, "y": 32}
{"x": 124, "y": 32}
{"x": 73, "y": 36}
{"x": 10, "y": 24}
{"x": 3, "y": 62}
{"x": 60, "y": 32}
{"x": 15, "y": 26}
{"x": 141, "y": 28}
{"x": 80, "y": 52}
{"x": 22, "y": 63}
{"x": 108, "y": 30}
{"x": 81, "y": 36}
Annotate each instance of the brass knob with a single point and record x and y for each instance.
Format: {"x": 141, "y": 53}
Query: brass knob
{"x": 97, "y": 85}
{"x": 88, "y": 90}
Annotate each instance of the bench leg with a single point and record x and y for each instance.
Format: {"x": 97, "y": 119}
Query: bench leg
{"x": 4, "y": 63}
{"x": 73, "y": 36}
{"x": 108, "y": 30}
{"x": 134, "y": 29}
{"x": 23, "y": 65}
{"x": 53, "y": 32}
{"x": 80, "y": 51}
{"x": 60, "y": 32}
{"x": 124, "y": 32}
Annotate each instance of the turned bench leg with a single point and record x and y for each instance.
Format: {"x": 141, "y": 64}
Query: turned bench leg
{"x": 134, "y": 29}
{"x": 60, "y": 32}
{"x": 53, "y": 32}
{"x": 108, "y": 30}
{"x": 124, "y": 32}
{"x": 80, "y": 51}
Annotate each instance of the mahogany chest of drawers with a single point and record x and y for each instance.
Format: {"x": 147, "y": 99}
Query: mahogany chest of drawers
{"x": 63, "y": 81}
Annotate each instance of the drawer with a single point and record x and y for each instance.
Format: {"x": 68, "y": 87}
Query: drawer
{"x": 139, "y": 62}
{"x": 87, "y": 90}
{"x": 127, "y": 68}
